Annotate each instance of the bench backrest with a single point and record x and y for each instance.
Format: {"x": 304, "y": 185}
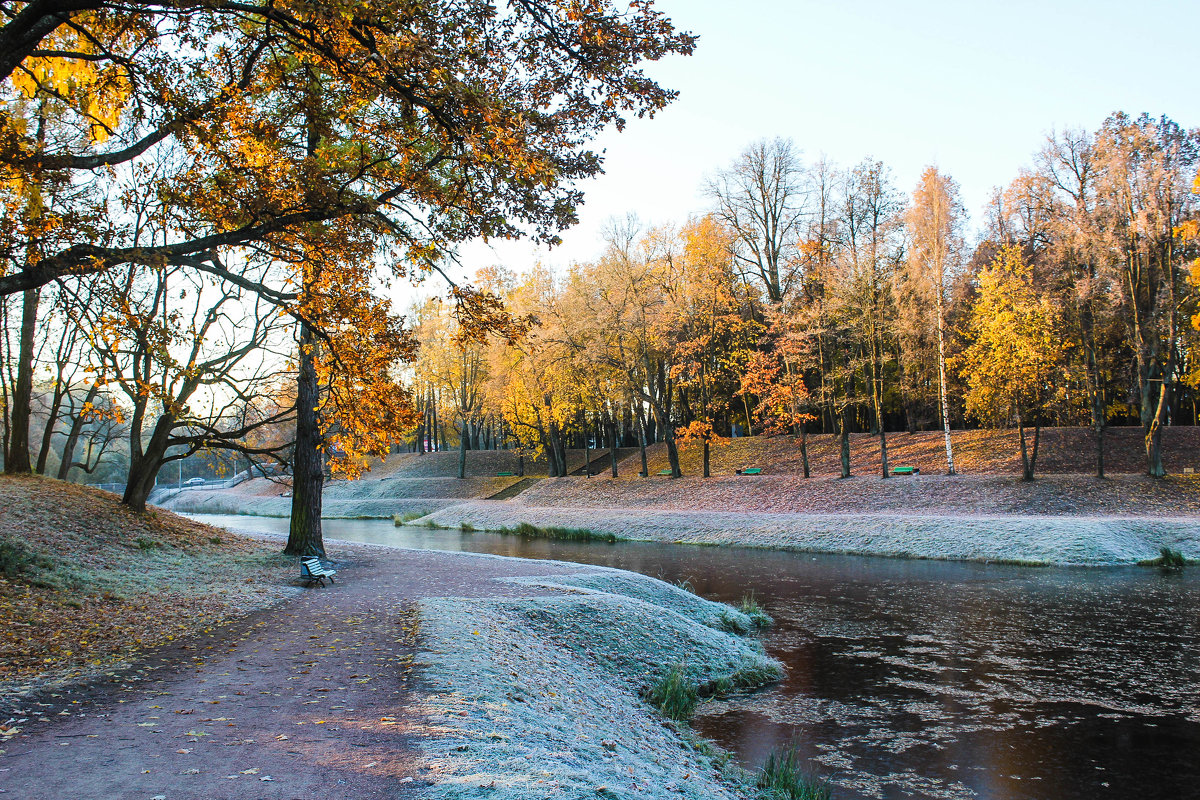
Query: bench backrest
{"x": 312, "y": 566}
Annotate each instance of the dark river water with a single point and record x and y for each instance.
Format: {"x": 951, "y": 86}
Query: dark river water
{"x": 926, "y": 679}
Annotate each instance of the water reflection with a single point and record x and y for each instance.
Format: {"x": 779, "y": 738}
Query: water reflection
{"x": 929, "y": 679}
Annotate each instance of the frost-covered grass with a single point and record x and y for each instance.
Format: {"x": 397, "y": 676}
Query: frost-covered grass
{"x": 409, "y": 516}
{"x": 784, "y": 777}
{"x": 545, "y": 696}
{"x": 998, "y": 538}
{"x": 220, "y": 502}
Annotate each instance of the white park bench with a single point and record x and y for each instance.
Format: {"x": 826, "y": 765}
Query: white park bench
{"x": 313, "y": 570}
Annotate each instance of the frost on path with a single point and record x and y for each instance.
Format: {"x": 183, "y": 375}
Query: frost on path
{"x": 540, "y": 697}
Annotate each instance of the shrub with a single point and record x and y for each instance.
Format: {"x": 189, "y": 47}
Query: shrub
{"x": 408, "y": 516}
{"x": 466, "y": 527}
{"x": 674, "y": 695}
{"x": 145, "y": 543}
{"x": 730, "y": 624}
{"x": 783, "y": 777}
{"x": 17, "y": 559}
{"x": 554, "y": 532}
{"x": 755, "y": 612}
{"x": 1171, "y": 559}
{"x": 1167, "y": 559}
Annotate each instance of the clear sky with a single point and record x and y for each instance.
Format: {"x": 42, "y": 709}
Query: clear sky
{"x": 970, "y": 86}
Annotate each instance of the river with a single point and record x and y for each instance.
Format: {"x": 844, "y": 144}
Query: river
{"x": 928, "y": 679}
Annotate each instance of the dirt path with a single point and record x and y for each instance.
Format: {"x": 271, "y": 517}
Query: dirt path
{"x": 304, "y": 700}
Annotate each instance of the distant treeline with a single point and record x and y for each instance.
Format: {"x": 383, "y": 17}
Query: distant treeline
{"x": 813, "y": 298}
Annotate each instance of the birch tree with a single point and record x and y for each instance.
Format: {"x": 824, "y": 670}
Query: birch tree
{"x": 934, "y": 221}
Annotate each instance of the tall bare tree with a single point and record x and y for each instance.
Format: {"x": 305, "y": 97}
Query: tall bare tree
{"x": 762, "y": 197}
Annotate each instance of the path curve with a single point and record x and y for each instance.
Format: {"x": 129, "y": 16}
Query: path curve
{"x": 303, "y": 700}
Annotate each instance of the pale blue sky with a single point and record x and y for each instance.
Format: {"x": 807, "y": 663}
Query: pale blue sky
{"x": 972, "y": 87}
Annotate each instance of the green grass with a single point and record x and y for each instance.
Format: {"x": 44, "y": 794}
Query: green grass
{"x": 18, "y": 561}
{"x": 783, "y": 777}
{"x": 675, "y": 696}
{"x": 466, "y": 527}
{"x": 554, "y": 532}
{"x": 145, "y": 543}
{"x": 1167, "y": 559}
{"x": 687, "y": 585}
{"x": 731, "y": 624}
{"x": 408, "y": 516}
{"x": 748, "y": 678}
{"x": 755, "y": 612}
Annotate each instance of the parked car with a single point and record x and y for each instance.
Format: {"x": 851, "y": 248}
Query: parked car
{"x": 194, "y": 482}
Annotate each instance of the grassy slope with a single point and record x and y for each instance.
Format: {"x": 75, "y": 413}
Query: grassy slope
{"x": 85, "y": 583}
{"x": 968, "y": 495}
{"x": 540, "y": 697}
{"x": 976, "y": 452}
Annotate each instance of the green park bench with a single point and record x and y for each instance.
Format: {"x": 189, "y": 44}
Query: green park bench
{"x": 313, "y": 570}
{"x": 506, "y": 474}
{"x": 750, "y": 471}
{"x": 664, "y": 472}
{"x": 906, "y": 471}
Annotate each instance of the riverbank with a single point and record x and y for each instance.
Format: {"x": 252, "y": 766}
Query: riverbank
{"x": 1033, "y": 540}
{"x": 371, "y": 497}
{"x": 543, "y": 696}
{"x": 1056, "y": 519}
{"x": 418, "y": 673}
{"x": 87, "y": 586}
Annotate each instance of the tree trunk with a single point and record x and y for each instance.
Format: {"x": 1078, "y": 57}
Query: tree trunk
{"x": 641, "y": 420}
{"x": 1026, "y": 467}
{"x": 1158, "y": 419}
{"x": 433, "y": 423}
{"x": 308, "y": 468}
{"x": 557, "y": 466}
{"x": 942, "y": 380}
{"x": 587, "y": 452}
{"x": 16, "y": 460}
{"x": 1154, "y": 461}
{"x": 1037, "y": 437}
{"x": 51, "y": 424}
{"x": 462, "y": 449}
{"x": 68, "y": 454}
{"x": 804, "y": 447}
{"x": 672, "y": 452}
{"x": 883, "y": 457}
{"x": 144, "y": 467}
{"x": 613, "y": 443}
{"x": 1094, "y": 387}
{"x": 844, "y": 437}
{"x": 706, "y": 459}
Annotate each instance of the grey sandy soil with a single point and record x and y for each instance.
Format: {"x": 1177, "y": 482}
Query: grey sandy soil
{"x": 303, "y": 700}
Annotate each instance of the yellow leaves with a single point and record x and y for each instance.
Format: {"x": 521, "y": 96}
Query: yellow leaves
{"x": 94, "y": 89}
{"x": 1012, "y": 360}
